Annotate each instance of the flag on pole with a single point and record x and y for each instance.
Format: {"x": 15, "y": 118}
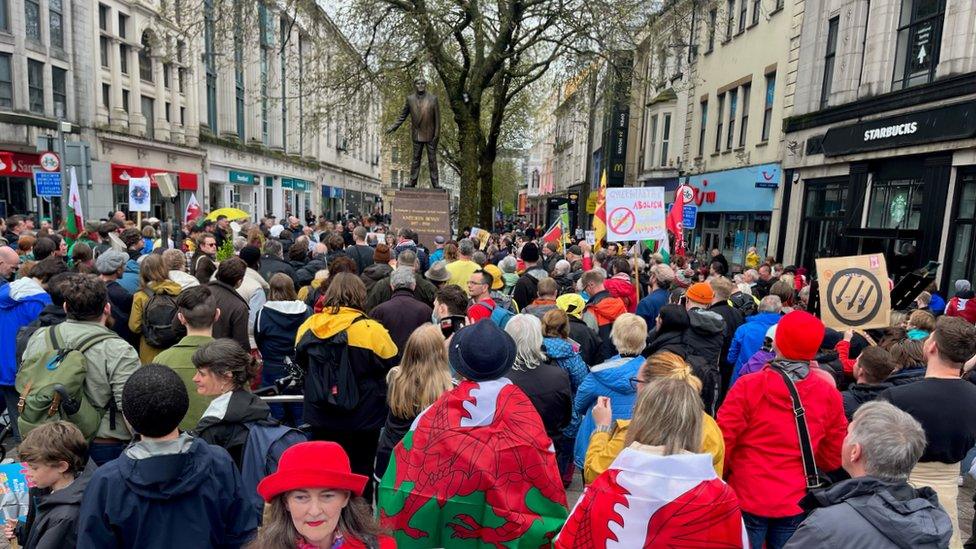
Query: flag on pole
{"x": 555, "y": 233}
{"x": 660, "y": 247}
{"x": 600, "y": 215}
{"x": 675, "y": 219}
{"x": 74, "y": 220}
{"x": 192, "y": 209}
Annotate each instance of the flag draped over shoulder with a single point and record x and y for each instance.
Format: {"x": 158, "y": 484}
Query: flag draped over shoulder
{"x": 600, "y": 215}
{"x": 647, "y": 500}
{"x": 476, "y": 469}
{"x": 74, "y": 222}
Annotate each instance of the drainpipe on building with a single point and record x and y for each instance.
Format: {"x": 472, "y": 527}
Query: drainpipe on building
{"x": 582, "y": 214}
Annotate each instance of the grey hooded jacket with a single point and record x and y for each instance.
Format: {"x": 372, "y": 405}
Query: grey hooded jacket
{"x": 870, "y": 513}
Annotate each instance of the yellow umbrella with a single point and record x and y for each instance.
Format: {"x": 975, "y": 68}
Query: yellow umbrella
{"x": 232, "y": 214}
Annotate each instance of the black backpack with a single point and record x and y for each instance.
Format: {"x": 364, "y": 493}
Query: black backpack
{"x": 329, "y": 376}
{"x": 157, "y": 320}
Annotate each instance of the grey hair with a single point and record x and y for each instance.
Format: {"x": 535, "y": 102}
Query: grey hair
{"x": 892, "y": 440}
{"x": 526, "y": 330}
{"x": 480, "y": 258}
{"x": 508, "y": 265}
{"x": 466, "y": 247}
{"x": 664, "y": 274}
{"x": 771, "y": 304}
{"x": 407, "y": 258}
{"x": 402, "y": 277}
{"x": 272, "y": 247}
{"x": 629, "y": 334}
{"x": 962, "y": 285}
{"x": 239, "y": 243}
{"x": 562, "y": 267}
{"x": 753, "y": 273}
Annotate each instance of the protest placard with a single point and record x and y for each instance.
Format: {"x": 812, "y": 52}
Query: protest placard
{"x": 854, "y": 292}
{"x": 635, "y": 213}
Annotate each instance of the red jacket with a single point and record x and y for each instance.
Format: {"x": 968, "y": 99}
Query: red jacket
{"x": 621, "y": 286}
{"x": 763, "y": 463}
{"x": 963, "y": 308}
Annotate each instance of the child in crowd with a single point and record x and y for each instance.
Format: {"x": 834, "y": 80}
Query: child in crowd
{"x": 55, "y": 455}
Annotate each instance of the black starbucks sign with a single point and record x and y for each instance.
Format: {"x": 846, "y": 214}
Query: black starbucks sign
{"x": 947, "y": 123}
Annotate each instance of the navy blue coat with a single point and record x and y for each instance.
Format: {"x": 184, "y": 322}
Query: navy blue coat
{"x": 189, "y": 499}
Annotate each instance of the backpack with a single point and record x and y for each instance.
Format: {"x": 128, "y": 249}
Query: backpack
{"x": 499, "y": 315}
{"x": 329, "y": 377}
{"x": 157, "y": 320}
{"x": 52, "y": 386}
{"x": 266, "y": 441}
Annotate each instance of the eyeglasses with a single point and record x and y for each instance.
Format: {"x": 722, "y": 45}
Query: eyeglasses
{"x": 473, "y": 283}
{"x": 635, "y": 382}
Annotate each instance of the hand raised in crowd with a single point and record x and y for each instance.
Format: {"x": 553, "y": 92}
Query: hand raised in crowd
{"x": 848, "y": 335}
{"x": 602, "y": 414}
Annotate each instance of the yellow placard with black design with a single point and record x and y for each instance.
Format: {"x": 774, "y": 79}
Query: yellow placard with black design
{"x": 854, "y": 292}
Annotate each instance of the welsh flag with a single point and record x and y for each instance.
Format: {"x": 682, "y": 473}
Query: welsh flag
{"x": 74, "y": 223}
{"x": 600, "y": 215}
{"x": 555, "y": 233}
{"x": 660, "y": 247}
{"x": 648, "y": 500}
{"x": 476, "y": 469}
{"x": 193, "y": 210}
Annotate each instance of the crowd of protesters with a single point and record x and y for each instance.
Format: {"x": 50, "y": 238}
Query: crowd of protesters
{"x": 280, "y": 384}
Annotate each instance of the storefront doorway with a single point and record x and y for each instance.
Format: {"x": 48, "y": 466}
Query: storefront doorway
{"x": 961, "y": 255}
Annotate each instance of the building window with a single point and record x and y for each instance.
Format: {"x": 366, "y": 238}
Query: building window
{"x": 181, "y": 79}
{"x": 55, "y": 19}
{"x": 210, "y": 64}
{"x": 743, "y": 11}
{"x": 168, "y": 108}
{"x": 718, "y": 120}
{"x": 166, "y": 70}
{"x": 148, "y": 110}
{"x": 729, "y": 18}
{"x": 919, "y": 39}
{"x": 284, "y": 27}
{"x": 4, "y": 15}
{"x": 712, "y": 21}
{"x": 701, "y": 130}
{"x": 964, "y": 222}
{"x": 58, "y": 88}
{"x": 652, "y": 141}
{"x": 265, "y": 34}
{"x": 239, "y": 69}
{"x": 756, "y": 8}
{"x": 665, "y": 139}
{"x": 35, "y": 86}
{"x": 733, "y": 103}
{"x": 662, "y": 62}
{"x": 828, "y": 76}
{"x": 32, "y": 20}
{"x": 895, "y": 204}
{"x": 779, "y": 4}
{"x": 823, "y": 219}
{"x": 768, "y": 106}
{"x": 106, "y": 95}
{"x": 123, "y": 23}
{"x": 182, "y": 115}
{"x": 103, "y": 45}
{"x": 301, "y": 94}
{"x": 744, "y": 124}
{"x": 125, "y": 100}
{"x": 103, "y": 15}
{"x": 693, "y": 34}
{"x": 124, "y": 58}
{"x": 6, "y": 82}
{"x": 145, "y": 59}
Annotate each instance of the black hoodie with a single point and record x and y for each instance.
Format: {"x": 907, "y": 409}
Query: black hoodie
{"x": 52, "y": 521}
{"x": 859, "y": 393}
{"x": 223, "y": 424}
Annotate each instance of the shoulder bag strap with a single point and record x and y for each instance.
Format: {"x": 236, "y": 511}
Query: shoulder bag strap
{"x": 806, "y": 447}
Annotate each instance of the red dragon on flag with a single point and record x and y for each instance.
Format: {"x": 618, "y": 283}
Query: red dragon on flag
{"x": 656, "y": 502}
{"x": 475, "y": 470}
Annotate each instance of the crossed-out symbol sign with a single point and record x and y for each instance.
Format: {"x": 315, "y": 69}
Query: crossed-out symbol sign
{"x": 621, "y": 220}
{"x": 854, "y": 296}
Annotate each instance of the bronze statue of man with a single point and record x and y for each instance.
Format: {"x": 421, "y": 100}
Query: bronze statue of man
{"x": 425, "y": 118}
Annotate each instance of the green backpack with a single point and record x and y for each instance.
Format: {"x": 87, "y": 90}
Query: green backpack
{"x": 52, "y": 386}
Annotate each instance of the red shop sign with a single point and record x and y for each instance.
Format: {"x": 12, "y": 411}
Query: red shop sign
{"x": 18, "y": 164}
{"x": 121, "y": 174}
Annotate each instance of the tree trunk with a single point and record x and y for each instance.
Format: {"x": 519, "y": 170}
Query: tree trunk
{"x": 468, "y": 155}
{"x": 486, "y": 175}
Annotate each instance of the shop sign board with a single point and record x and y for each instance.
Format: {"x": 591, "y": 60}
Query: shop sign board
{"x": 947, "y": 123}
{"x": 854, "y": 292}
{"x": 749, "y": 189}
{"x": 242, "y": 178}
{"x": 635, "y": 213}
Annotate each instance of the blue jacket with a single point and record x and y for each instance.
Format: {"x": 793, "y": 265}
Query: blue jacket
{"x": 610, "y": 379}
{"x": 749, "y": 338}
{"x": 193, "y": 498}
{"x": 566, "y": 355}
{"x": 650, "y": 306}
{"x": 436, "y": 255}
{"x": 21, "y": 302}
{"x": 130, "y": 277}
{"x": 937, "y": 305}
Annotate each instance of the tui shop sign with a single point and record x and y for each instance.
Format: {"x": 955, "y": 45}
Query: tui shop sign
{"x": 947, "y": 123}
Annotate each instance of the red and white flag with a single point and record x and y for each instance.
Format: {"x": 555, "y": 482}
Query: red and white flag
{"x": 647, "y": 500}
{"x": 75, "y": 219}
{"x": 193, "y": 210}
{"x": 675, "y": 220}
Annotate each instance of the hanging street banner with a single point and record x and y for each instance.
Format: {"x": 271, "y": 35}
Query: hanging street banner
{"x": 854, "y": 292}
{"x": 139, "y": 194}
{"x": 635, "y": 213}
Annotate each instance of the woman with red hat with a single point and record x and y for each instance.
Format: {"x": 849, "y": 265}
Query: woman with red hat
{"x": 315, "y": 502}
